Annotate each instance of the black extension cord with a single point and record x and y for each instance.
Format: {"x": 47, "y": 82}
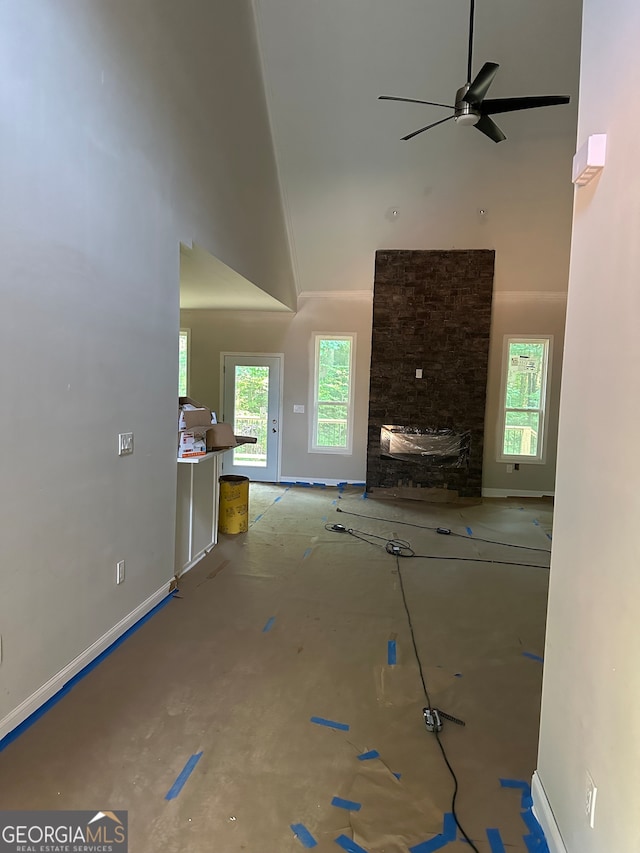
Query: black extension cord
{"x": 443, "y": 530}
{"x": 398, "y": 548}
{"x": 430, "y": 707}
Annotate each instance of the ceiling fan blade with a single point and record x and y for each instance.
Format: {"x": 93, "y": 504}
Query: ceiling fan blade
{"x": 509, "y": 105}
{"x": 480, "y": 86}
{"x": 428, "y": 127}
{"x": 413, "y": 101}
{"x": 490, "y": 129}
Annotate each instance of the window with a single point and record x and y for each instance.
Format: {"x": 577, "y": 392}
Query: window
{"x": 183, "y": 363}
{"x": 524, "y": 399}
{"x": 333, "y": 393}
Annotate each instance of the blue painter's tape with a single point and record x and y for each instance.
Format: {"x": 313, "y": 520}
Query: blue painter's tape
{"x": 278, "y": 499}
{"x": 450, "y": 827}
{"x": 391, "y": 653}
{"x": 549, "y": 536}
{"x": 303, "y": 835}
{"x": 398, "y": 775}
{"x": 348, "y": 805}
{"x": 495, "y": 841}
{"x": 531, "y": 823}
{"x": 330, "y": 724}
{"x": 258, "y": 517}
{"x": 533, "y": 657}
{"x": 367, "y": 756}
{"x": 514, "y": 783}
{"x": 435, "y": 843}
{"x": 269, "y": 624}
{"x": 469, "y": 531}
{"x": 349, "y": 845}
{"x": 527, "y": 801}
{"x": 333, "y": 503}
{"x": 287, "y": 484}
{"x": 536, "y": 522}
{"x": 42, "y": 710}
{"x": 306, "y": 553}
{"x": 187, "y": 770}
{"x": 364, "y": 496}
{"x": 359, "y": 485}
{"x": 532, "y": 843}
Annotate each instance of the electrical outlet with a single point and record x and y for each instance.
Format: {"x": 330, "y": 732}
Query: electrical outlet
{"x": 509, "y": 468}
{"x": 590, "y": 801}
{"x": 125, "y": 443}
{"x": 120, "y": 571}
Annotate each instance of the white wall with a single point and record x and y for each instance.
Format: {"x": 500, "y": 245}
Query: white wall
{"x": 126, "y": 127}
{"x": 213, "y": 332}
{"x": 591, "y": 692}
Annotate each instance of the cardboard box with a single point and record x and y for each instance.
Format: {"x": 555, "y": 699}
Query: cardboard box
{"x": 195, "y": 416}
{"x": 191, "y": 444}
{"x": 220, "y": 435}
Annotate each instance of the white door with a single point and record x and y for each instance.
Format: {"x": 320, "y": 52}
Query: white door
{"x": 251, "y": 402}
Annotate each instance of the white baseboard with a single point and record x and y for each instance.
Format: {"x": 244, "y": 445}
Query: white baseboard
{"x": 188, "y": 566}
{"x": 515, "y": 493}
{"x": 319, "y": 481}
{"x": 47, "y": 691}
{"x": 544, "y": 816}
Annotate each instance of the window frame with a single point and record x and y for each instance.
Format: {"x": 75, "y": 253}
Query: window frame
{"x": 185, "y": 333}
{"x": 543, "y": 410}
{"x": 314, "y": 447}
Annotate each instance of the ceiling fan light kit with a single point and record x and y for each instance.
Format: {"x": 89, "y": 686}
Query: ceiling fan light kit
{"x": 472, "y": 108}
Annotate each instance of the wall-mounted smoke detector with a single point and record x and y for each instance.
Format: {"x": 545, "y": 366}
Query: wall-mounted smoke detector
{"x": 589, "y": 160}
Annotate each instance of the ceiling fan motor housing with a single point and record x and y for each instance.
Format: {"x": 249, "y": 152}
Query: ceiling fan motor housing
{"x": 465, "y": 113}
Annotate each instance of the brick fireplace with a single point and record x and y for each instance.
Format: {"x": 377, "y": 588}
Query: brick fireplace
{"x": 431, "y": 312}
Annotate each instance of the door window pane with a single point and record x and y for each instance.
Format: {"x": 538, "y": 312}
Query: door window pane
{"x": 251, "y": 408}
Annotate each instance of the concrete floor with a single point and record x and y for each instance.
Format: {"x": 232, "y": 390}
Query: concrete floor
{"x": 204, "y": 676}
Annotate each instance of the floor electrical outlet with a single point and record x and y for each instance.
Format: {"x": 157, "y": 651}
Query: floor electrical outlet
{"x": 120, "y": 571}
{"x": 590, "y": 801}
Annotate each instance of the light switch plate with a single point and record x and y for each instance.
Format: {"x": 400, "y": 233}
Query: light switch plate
{"x": 418, "y": 373}
{"x": 298, "y": 409}
{"x": 125, "y": 443}
{"x": 120, "y": 571}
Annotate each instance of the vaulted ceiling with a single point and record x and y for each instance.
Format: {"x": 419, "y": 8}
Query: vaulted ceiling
{"x": 350, "y": 185}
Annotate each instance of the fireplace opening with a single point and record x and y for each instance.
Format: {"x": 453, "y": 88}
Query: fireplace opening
{"x": 434, "y": 448}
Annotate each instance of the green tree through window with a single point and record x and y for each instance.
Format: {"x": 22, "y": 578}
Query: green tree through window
{"x": 524, "y": 397}
{"x": 333, "y": 392}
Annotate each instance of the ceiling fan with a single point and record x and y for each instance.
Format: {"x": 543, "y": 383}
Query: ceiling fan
{"x": 472, "y": 108}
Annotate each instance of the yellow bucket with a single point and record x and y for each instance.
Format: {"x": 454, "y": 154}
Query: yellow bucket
{"x": 234, "y": 504}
